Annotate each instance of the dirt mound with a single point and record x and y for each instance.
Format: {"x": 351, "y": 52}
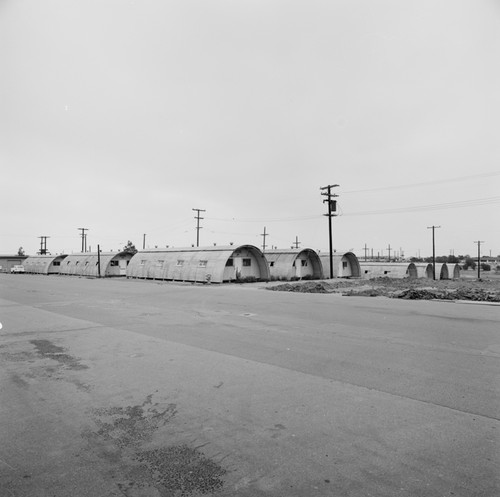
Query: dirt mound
{"x": 475, "y": 294}
{"x": 405, "y": 288}
{"x": 309, "y": 287}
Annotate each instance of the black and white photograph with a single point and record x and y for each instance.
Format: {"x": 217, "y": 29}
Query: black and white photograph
{"x": 250, "y": 248}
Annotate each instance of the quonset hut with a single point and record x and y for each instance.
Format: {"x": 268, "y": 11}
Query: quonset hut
{"x": 44, "y": 264}
{"x": 200, "y": 264}
{"x": 93, "y": 264}
{"x": 424, "y": 270}
{"x": 388, "y": 269}
{"x": 444, "y": 271}
{"x": 345, "y": 265}
{"x": 294, "y": 264}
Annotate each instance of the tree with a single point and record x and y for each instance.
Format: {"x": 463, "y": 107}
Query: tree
{"x": 130, "y": 248}
{"x": 20, "y": 251}
{"x": 469, "y": 263}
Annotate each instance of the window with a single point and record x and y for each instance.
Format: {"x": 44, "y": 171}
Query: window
{"x": 271, "y": 264}
{"x": 303, "y": 263}
{"x": 247, "y": 262}
{"x": 180, "y": 262}
{"x": 202, "y": 263}
{"x": 113, "y": 263}
{"x": 344, "y": 264}
{"x": 77, "y": 262}
{"x": 57, "y": 263}
{"x": 87, "y": 263}
{"x": 229, "y": 263}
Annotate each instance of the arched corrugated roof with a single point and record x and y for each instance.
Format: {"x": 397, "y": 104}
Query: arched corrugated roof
{"x": 352, "y": 268}
{"x": 388, "y": 269}
{"x": 87, "y": 263}
{"x": 424, "y": 269}
{"x": 282, "y": 263}
{"x": 199, "y": 264}
{"x": 43, "y": 264}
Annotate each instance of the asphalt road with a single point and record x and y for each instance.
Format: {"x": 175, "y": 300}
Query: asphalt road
{"x": 141, "y": 389}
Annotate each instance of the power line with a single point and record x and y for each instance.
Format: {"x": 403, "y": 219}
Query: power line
{"x": 397, "y": 210}
{"x": 427, "y": 183}
{"x": 430, "y": 207}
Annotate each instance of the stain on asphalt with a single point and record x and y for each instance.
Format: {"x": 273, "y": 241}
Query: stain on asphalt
{"x": 182, "y": 470}
{"x": 47, "y": 349}
{"x": 132, "y": 425}
{"x": 276, "y": 430}
{"x": 19, "y": 381}
{"x": 17, "y": 356}
{"x": 124, "y": 437}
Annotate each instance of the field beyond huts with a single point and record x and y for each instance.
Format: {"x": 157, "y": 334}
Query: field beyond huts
{"x": 485, "y": 290}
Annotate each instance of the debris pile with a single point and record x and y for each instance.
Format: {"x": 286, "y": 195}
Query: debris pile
{"x": 309, "y": 287}
{"x": 408, "y": 289}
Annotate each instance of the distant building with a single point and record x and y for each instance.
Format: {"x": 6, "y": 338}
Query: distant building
{"x": 8, "y": 261}
{"x": 388, "y": 269}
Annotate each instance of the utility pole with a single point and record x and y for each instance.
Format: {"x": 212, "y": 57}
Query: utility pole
{"x": 296, "y": 242}
{"x": 198, "y": 228}
{"x": 43, "y": 245}
{"x": 433, "y": 251}
{"x": 263, "y": 235}
{"x": 98, "y": 261}
{"x": 479, "y": 258}
{"x": 389, "y": 249}
{"x": 366, "y": 250}
{"x": 332, "y": 209}
{"x": 143, "y": 241}
{"x": 84, "y": 238}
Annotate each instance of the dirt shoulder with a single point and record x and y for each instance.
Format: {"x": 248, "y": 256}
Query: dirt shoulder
{"x": 484, "y": 290}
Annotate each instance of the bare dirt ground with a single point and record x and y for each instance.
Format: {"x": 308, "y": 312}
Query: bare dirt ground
{"x": 486, "y": 289}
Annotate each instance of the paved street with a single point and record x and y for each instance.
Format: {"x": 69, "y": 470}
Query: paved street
{"x": 147, "y": 389}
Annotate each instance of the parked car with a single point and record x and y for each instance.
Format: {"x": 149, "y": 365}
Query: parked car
{"x": 17, "y": 269}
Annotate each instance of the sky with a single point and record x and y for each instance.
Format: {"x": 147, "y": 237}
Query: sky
{"x": 122, "y": 117}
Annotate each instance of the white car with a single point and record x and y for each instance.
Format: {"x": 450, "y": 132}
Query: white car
{"x": 17, "y": 269}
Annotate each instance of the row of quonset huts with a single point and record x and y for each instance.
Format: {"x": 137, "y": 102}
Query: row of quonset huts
{"x": 220, "y": 264}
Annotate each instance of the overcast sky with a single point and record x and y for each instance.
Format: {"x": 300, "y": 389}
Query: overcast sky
{"x": 122, "y": 116}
